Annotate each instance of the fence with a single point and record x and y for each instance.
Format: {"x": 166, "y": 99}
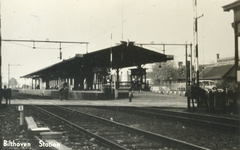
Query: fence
{"x": 170, "y": 87}
{"x": 221, "y": 101}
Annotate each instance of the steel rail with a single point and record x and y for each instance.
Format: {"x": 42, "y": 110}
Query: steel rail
{"x": 192, "y": 118}
{"x": 151, "y": 135}
{"x": 200, "y": 116}
{"x": 99, "y": 138}
{"x": 187, "y": 117}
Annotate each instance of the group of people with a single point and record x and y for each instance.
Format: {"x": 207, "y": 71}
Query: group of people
{"x": 6, "y": 94}
{"x": 63, "y": 91}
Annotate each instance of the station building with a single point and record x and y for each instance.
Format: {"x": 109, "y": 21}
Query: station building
{"x": 95, "y": 75}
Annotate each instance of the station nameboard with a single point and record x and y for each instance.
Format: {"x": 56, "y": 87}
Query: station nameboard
{"x": 20, "y": 108}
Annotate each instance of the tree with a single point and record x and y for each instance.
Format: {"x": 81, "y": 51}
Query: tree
{"x": 168, "y": 71}
{"x": 164, "y": 72}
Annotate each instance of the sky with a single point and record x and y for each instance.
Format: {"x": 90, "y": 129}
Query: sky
{"x": 103, "y": 23}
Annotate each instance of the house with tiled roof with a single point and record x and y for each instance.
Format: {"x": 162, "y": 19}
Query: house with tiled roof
{"x": 222, "y": 72}
{"x": 221, "y": 75}
{"x": 217, "y": 72}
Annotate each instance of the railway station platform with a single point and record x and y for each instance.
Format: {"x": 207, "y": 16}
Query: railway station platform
{"x": 142, "y": 99}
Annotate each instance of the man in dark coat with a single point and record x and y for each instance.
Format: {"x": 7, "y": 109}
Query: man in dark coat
{"x": 130, "y": 92}
{"x": 66, "y": 92}
{"x": 61, "y": 92}
{"x": 7, "y": 94}
{"x": 1, "y": 95}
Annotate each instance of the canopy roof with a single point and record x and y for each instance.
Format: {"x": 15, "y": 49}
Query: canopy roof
{"x": 64, "y": 68}
{"x": 123, "y": 55}
{"x": 232, "y": 5}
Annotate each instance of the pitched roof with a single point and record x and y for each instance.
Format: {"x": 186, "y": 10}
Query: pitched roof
{"x": 63, "y": 68}
{"x": 123, "y": 55}
{"x": 217, "y": 72}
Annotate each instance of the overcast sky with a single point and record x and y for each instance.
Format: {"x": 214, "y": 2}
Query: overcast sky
{"x": 93, "y": 21}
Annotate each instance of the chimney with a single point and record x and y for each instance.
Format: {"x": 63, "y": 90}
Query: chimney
{"x": 217, "y": 56}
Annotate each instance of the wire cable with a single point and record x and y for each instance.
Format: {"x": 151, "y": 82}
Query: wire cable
{"x": 19, "y": 44}
{"x": 40, "y": 47}
{"x": 123, "y": 21}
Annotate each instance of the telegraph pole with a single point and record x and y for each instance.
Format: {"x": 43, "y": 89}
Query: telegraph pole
{"x": 196, "y": 42}
{"x": 191, "y": 64}
{"x": 9, "y": 65}
{"x": 196, "y": 49}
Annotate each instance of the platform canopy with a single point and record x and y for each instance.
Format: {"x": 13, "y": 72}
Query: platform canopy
{"x": 123, "y": 55}
{"x": 62, "y": 69}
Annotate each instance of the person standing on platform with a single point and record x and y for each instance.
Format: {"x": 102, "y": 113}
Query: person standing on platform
{"x": 85, "y": 84}
{"x": 61, "y": 92}
{"x": 7, "y": 94}
{"x": 1, "y": 95}
{"x": 66, "y": 92}
{"x": 130, "y": 92}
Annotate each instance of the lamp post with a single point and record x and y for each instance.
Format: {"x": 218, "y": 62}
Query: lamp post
{"x": 9, "y": 65}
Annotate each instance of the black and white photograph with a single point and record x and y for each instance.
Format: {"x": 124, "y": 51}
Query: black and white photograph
{"x": 119, "y": 75}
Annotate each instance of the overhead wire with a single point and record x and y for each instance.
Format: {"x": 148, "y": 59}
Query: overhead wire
{"x": 124, "y": 21}
{"x": 32, "y": 47}
{"x": 203, "y": 40}
{"x": 20, "y": 44}
{"x": 108, "y": 16}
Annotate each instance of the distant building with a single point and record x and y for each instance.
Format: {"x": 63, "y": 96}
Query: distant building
{"x": 222, "y": 70}
{"x": 225, "y": 60}
{"x": 217, "y": 72}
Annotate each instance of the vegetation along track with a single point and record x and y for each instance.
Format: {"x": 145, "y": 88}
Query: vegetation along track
{"x": 230, "y": 124}
{"x": 113, "y": 134}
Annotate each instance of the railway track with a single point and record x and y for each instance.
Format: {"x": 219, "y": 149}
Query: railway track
{"x": 73, "y": 136}
{"x": 230, "y": 124}
{"x": 206, "y": 120}
{"x": 110, "y": 134}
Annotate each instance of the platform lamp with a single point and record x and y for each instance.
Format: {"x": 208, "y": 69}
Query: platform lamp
{"x": 9, "y": 65}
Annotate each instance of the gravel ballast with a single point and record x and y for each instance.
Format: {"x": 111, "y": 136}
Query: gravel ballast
{"x": 12, "y": 135}
{"x": 192, "y": 133}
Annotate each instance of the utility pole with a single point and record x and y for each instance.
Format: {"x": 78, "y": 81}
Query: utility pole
{"x": 9, "y": 65}
{"x": 191, "y": 64}
{"x": 196, "y": 42}
{"x": 186, "y": 70}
